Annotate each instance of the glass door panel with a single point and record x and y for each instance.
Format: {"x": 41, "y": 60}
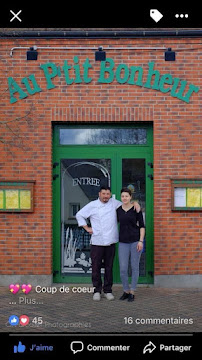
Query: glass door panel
{"x": 133, "y": 177}
{"x": 80, "y": 183}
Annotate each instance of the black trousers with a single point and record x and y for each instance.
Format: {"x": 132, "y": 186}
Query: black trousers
{"x": 98, "y": 255}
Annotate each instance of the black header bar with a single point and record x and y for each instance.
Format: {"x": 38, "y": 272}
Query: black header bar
{"x": 98, "y": 16}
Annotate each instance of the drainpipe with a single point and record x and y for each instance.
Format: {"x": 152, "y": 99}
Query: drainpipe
{"x": 92, "y": 34}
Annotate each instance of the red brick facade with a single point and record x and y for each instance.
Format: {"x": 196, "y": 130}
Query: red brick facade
{"x": 26, "y": 142}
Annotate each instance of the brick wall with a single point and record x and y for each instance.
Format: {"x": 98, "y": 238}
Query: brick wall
{"x": 26, "y": 148}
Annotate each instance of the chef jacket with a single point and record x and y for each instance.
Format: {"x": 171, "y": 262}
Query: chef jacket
{"x": 103, "y": 220}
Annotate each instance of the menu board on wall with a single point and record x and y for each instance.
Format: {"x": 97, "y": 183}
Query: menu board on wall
{"x": 187, "y": 195}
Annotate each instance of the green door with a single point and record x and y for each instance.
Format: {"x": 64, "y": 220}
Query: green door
{"x": 85, "y": 158}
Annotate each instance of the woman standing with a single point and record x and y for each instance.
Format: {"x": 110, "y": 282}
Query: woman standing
{"x": 131, "y": 237}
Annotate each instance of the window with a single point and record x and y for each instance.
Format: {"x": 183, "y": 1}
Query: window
{"x": 186, "y": 194}
{"x": 16, "y": 196}
{"x": 74, "y": 208}
{"x": 108, "y": 136}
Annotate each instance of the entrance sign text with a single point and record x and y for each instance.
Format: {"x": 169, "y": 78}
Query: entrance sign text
{"x": 78, "y": 73}
{"x": 86, "y": 181}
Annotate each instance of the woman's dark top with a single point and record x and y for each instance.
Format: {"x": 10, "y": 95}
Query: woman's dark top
{"x": 130, "y": 224}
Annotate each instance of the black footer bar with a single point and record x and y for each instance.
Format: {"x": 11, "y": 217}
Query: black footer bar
{"x": 51, "y": 346}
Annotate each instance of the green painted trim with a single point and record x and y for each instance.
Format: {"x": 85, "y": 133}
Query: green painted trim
{"x": 188, "y": 182}
{"x": 16, "y": 184}
{"x": 187, "y": 208}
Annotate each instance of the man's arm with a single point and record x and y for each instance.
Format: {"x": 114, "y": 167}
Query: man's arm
{"x": 117, "y": 203}
{"x": 83, "y": 214}
{"x": 136, "y": 206}
{"x": 134, "y": 203}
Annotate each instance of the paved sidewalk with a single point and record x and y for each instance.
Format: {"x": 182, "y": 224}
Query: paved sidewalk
{"x": 154, "y": 310}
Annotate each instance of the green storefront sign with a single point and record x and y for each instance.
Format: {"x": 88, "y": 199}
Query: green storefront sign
{"x": 80, "y": 73}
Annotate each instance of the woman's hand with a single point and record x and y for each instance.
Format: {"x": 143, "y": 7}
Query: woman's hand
{"x": 139, "y": 246}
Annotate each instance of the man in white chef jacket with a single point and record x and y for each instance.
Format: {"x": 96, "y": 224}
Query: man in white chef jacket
{"x": 104, "y": 230}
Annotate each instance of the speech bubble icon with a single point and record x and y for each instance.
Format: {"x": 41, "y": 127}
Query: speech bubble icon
{"x": 76, "y": 346}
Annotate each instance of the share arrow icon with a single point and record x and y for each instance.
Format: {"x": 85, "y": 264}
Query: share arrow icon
{"x": 149, "y": 347}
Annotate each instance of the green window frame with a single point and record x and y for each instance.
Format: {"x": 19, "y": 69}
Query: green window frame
{"x": 186, "y": 195}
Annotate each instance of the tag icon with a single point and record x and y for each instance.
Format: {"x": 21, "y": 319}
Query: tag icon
{"x": 155, "y": 15}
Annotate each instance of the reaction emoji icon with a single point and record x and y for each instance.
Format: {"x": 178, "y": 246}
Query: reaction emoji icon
{"x": 14, "y": 288}
{"x": 24, "y": 320}
{"x": 26, "y": 288}
{"x": 13, "y": 320}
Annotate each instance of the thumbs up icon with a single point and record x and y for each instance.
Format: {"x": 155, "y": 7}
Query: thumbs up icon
{"x": 19, "y": 349}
